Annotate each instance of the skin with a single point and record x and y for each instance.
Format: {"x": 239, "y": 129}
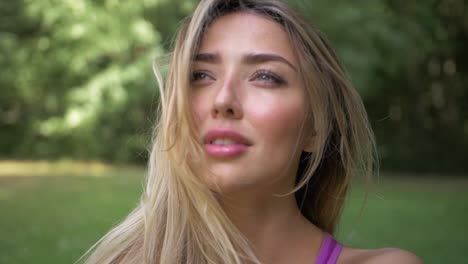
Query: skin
{"x": 231, "y": 91}
{"x": 264, "y": 101}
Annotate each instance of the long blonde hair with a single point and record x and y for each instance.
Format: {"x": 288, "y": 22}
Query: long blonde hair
{"x": 178, "y": 219}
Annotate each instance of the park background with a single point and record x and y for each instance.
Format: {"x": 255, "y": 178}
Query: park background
{"x": 78, "y": 100}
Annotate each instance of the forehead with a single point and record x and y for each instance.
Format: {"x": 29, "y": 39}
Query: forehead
{"x": 246, "y": 32}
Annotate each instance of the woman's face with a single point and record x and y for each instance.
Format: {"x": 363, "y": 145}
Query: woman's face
{"x": 248, "y": 103}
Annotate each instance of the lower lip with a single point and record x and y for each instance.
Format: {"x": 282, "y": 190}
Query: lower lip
{"x": 225, "y": 151}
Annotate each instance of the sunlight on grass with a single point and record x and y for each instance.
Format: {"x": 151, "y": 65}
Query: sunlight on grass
{"x": 14, "y": 168}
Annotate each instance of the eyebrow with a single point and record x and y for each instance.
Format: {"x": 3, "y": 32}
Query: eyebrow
{"x": 207, "y": 57}
{"x": 254, "y": 58}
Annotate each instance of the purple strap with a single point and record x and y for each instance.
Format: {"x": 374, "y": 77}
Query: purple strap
{"x": 329, "y": 251}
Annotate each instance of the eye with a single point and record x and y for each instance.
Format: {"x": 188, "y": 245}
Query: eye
{"x": 197, "y": 76}
{"x": 268, "y": 77}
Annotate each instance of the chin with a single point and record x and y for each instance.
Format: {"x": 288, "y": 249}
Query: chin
{"x": 228, "y": 182}
{"x": 225, "y": 184}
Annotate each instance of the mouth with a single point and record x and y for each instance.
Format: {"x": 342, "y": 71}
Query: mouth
{"x": 225, "y": 137}
{"x": 222, "y": 143}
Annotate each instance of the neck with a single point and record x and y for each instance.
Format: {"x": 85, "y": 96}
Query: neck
{"x": 275, "y": 227}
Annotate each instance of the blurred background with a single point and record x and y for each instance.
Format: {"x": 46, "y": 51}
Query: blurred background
{"x": 78, "y": 100}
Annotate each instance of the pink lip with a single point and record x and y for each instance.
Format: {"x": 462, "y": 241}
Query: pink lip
{"x": 225, "y": 151}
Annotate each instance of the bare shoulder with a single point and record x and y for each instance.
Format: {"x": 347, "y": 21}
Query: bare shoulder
{"x": 377, "y": 256}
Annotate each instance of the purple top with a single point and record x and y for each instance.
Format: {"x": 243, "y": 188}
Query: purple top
{"x": 329, "y": 251}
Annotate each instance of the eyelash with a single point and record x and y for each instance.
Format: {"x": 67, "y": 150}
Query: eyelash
{"x": 195, "y": 76}
{"x": 267, "y": 76}
{"x": 272, "y": 78}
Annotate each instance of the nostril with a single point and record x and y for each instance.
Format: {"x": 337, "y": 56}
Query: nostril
{"x": 225, "y": 110}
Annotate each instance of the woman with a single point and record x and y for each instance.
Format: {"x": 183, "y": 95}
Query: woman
{"x": 259, "y": 134}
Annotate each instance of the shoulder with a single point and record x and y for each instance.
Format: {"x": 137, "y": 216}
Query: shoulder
{"x": 377, "y": 256}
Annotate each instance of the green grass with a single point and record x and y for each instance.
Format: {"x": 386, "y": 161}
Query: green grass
{"x": 428, "y": 216}
{"x": 55, "y": 219}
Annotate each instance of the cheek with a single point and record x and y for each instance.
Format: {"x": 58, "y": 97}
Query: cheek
{"x": 198, "y": 109}
{"x": 280, "y": 121}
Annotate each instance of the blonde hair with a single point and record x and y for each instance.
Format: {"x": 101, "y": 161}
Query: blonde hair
{"x": 178, "y": 219}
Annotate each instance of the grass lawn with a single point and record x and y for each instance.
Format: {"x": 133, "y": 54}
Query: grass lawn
{"x": 428, "y": 216}
{"x": 54, "y": 213}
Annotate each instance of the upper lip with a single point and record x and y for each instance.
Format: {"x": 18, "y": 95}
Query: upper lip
{"x": 214, "y": 134}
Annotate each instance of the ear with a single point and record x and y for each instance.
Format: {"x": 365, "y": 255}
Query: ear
{"x": 310, "y": 137}
{"x": 309, "y": 140}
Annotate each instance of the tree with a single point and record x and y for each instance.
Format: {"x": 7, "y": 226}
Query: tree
{"x": 78, "y": 81}
{"x": 76, "y": 77}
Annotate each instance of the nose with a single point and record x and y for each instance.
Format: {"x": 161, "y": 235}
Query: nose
{"x": 226, "y": 102}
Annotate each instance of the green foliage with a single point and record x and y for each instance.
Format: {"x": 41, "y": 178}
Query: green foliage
{"x": 409, "y": 62}
{"x": 76, "y": 77}
{"x": 78, "y": 80}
